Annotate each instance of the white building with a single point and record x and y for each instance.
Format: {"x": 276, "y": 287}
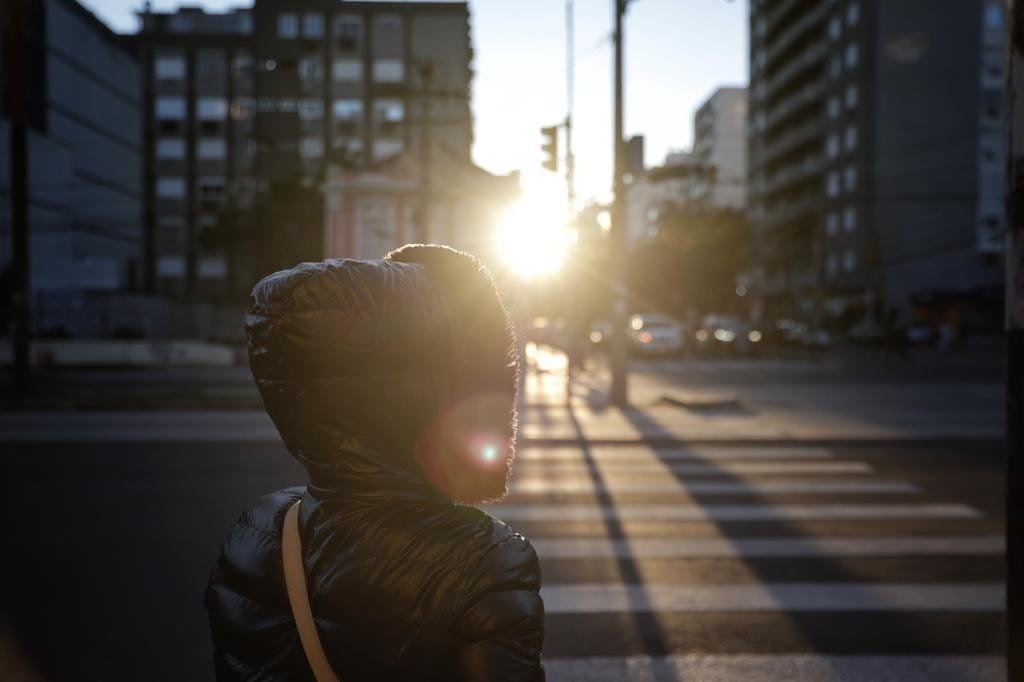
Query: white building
{"x": 720, "y": 143}
{"x": 658, "y": 191}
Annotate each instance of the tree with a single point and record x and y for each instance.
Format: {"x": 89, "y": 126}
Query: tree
{"x": 692, "y": 263}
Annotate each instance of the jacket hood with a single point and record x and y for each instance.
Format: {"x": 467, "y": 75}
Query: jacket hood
{"x": 351, "y": 359}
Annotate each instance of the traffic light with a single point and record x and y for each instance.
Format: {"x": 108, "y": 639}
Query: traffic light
{"x": 550, "y": 148}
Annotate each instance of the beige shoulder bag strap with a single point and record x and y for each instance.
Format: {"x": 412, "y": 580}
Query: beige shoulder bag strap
{"x": 298, "y": 597}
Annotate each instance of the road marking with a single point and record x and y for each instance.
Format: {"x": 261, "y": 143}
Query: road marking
{"x": 727, "y": 468}
{"x": 549, "y": 486}
{"x": 682, "y": 548}
{"x": 793, "y": 668}
{"x": 619, "y": 598}
{"x": 709, "y": 454}
{"x": 731, "y": 512}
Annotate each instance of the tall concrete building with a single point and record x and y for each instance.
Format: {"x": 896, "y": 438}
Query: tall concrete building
{"x": 242, "y": 100}
{"x": 875, "y": 155}
{"x": 84, "y": 154}
{"x": 720, "y": 143}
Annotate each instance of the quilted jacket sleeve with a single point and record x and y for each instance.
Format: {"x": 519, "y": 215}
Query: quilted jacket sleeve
{"x": 501, "y": 634}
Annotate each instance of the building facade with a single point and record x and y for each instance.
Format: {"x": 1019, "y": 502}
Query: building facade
{"x": 720, "y": 143}
{"x": 280, "y": 93}
{"x": 85, "y": 196}
{"x": 874, "y": 153}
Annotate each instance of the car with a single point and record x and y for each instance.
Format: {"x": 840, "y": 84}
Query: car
{"x": 867, "y": 331}
{"x": 654, "y": 333}
{"x": 726, "y": 334}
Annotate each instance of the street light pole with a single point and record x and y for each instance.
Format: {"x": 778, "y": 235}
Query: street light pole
{"x": 617, "y": 236}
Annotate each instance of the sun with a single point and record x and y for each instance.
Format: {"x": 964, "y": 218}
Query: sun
{"x": 531, "y": 239}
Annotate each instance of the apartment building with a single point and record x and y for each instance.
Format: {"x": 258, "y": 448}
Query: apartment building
{"x": 720, "y": 145}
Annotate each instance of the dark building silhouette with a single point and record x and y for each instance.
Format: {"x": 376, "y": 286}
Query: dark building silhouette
{"x": 85, "y": 163}
{"x": 245, "y": 99}
{"x": 875, "y": 149}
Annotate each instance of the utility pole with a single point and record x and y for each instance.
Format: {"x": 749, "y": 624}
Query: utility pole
{"x": 16, "y": 61}
{"x": 617, "y": 236}
{"x": 570, "y": 86}
{"x": 1015, "y": 340}
{"x": 428, "y": 75}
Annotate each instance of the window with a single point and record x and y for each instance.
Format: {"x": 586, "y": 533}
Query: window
{"x": 852, "y": 13}
{"x": 849, "y": 219}
{"x": 389, "y": 71}
{"x": 850, "y": 178}
{"x": 212, "y": 149}
{"x": 287, "y": 26}
{"x": 759, "y": 120}
{"x": 348, "y": 113}
{"x": 832, "y": 184}
{"x": 169, "y": 67}
{"x": 388, "y": 114}
{"x": 851, "y": 95}
{"x": 242, "y": 108}
{"x": 835, "y": 67}
{"x": 311, "y": 147}
{"x": 833, "y": 107}
{"x": 383, "y": 149}
{"x": 852, "y": 55}
{"x": 211, "y": 189}
{"x": 850, "y": 138}
{"x": 211, "y": 108}
{"x": 832, "y": 224}
{"x": 287, "y": 105}
{"x": 170, "y": 148}
{"x": 313, "y": 25}
{"x": 835, "y": 28}
{"x": 172, "y": 108}
{"x": 170, "y": 188}
{"x": 348, "y": 32}
{"x": 993, "y": 16}
{"x": 311, "y": 109}
{"x": 832, "y": 264}
{"x": 849, "y": 260}
{"x": 832, "y": 146}
{"x": 311, "y": 69}
{"x": 350, "y": 70}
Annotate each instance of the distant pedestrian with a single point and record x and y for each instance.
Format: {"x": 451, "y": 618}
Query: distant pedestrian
{"x": 393, "y": 383}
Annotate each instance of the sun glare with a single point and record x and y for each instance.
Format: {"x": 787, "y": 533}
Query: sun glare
{"x": 532, "y": 238}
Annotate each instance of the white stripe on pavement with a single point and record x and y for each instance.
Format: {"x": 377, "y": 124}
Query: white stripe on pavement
{"x": 793, "y": 668}
{"x": 619, "y": 598}
{"x": 727, "y": 468}
{"x": 684, "y": 548}
{"x": 548, "y": 486}
{"x": 709, "y": 454}
{"x": 731, "y": 512}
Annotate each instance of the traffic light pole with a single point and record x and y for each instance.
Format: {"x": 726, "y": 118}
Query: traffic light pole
{"x": 1015, "y": 342}
{"x": 618, "y": 241}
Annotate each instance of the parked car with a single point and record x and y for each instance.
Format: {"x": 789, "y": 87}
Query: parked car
{"x": 867, "y": 331}
{"x": 601, "y": 332}
{"x": 726, "y": 334}
{"x": 654, "y": 333}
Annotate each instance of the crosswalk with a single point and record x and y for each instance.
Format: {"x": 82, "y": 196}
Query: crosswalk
{"x": 756, "y": 563}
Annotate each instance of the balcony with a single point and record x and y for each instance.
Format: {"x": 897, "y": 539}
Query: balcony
{"x": 786, "y": 39}
{"x": 791, "y": 212}
{"x": 792, "y": 139}
{"x": 811, "y": 56}
{"x": 810, "y": 93}
{"x": 794, "y": 174}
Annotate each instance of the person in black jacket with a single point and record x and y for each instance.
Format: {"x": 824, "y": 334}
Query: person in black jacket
{"x": 393, "y": 383}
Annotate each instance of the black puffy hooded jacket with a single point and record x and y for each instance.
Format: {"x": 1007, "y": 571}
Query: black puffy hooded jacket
{"x": 405, "y": 584}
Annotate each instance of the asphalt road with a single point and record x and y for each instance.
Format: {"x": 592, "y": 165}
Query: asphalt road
{"x": 752, "y": 562}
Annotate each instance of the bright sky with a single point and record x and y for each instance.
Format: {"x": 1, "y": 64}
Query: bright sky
{"x": 677, "y": 53}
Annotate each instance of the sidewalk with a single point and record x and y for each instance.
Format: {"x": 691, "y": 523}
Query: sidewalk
{"x": 665, "y": 410}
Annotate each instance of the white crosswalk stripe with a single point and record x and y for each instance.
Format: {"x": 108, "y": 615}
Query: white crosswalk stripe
{"x": 729, "y": 468}
{"x": 690, "y": 454}
{"x": 601, "y": 597}
{"x": 678, "y": 548}
{"x": 792, "y": 668}
{"x": 549, "y": 486}
{"x": 732, "y": 512}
